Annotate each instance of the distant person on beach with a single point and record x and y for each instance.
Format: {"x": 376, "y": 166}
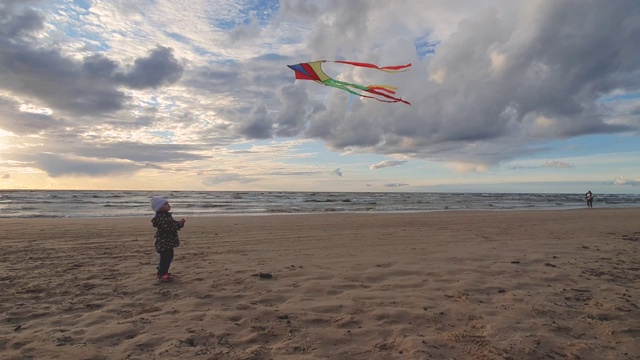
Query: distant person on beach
{"x": 166, "y": 237}
{"x": 589, "y": 197}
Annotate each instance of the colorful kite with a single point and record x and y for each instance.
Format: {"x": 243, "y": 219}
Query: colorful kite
{"x": 313, "y": 71}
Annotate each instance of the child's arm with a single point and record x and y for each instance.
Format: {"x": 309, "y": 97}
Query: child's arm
{"x": 167, "y": 223}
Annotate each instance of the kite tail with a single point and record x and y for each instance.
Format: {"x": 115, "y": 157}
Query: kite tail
{"x": 385, "y": 88}
{"x": 375, "y": 89}
{"x": 395, "y": 99}
{"x": 394, "y": 68}
{"x": 347, "y": 89}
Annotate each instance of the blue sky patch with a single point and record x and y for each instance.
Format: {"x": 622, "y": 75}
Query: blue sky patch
{"x": 620, "y": 97}
{"x": 178, "y": 37}
{"x": 85, "y": 4}
{"x": 164, "y": 134}
{"x": 425, "y": 47}
{"x": 245, "y": 12}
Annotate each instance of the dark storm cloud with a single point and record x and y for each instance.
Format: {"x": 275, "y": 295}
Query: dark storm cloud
{"x": 81, "y": 88}
{"x": 66, "y": 154}
{"x": 249, "y": 80}
{"x": 56, "y": 165}
{"x": 342, "y": 131}
{"x": 59, "y": 82}
{"x": 291, "y": 119}
{"x": 221, "y": 78}
{"x": 266, "y": 102}
{"x": 138, "y": 152}
{"x": 262, "y": 106}
{"x": 99, "y": 67}
{"x": 15, "y": 24}
{"x": 505, "y": 80}
{"x": 87, "y": 87}
{"x": 160, "y": 68}
{"x": 25, "y": 123}
{"x": 257, "y": 125}
{"x": 82, "y": 146}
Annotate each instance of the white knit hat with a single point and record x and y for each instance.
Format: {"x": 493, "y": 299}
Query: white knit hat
{"x": 157, "y": 202}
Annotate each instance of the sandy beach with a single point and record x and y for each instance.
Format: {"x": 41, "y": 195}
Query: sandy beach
{"x": 440, "y": 285}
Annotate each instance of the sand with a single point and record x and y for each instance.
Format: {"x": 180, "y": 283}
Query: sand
{"x": 441, "y": 285}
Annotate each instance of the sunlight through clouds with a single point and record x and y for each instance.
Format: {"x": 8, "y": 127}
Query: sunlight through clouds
{"x": 151, "y": 89}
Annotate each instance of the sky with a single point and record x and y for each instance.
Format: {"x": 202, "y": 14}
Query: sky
{"x": 532, "y": 96}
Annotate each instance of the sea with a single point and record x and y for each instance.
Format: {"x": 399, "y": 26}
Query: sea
{"x": 95, "y": 204}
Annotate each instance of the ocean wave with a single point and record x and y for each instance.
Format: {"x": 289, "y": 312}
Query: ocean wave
{"x": 26, "y": 204}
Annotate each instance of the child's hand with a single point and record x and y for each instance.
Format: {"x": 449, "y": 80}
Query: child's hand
{"x": 183, "y": 220}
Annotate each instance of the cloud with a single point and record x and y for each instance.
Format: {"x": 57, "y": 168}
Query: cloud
{"x": 228, "y": 178}
{"x": 91, "y": 86}
{"x": 479, "y": 98}
{"x": 26, "y": 123}
{"x": 160, "y": 68}
{"x": 6, "y": 176}
{"x": 395, "y": 185}
{"x": 60, "y": 165}
{"x": 620, "y": 180}
{"x": 386, "y": 163}
{"x": 292, "y": 117}
{"x": 336, "y": 172}
{"x": 555, "y": 164}
{"x": 291, "y": 173}
{"x": 45, "y": 75}
{"x": 257, "y": 125}
{"x": 163, "y": 83}
{"x": 15, "y": 23}
{"x": 468, "y": 167}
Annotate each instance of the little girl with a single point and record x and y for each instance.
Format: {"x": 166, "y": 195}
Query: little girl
{"x": 166, "y": 235}
{"x": 589, "y": 197}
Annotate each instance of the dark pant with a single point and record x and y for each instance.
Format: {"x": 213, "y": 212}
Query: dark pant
{"x": 165, "y": 261}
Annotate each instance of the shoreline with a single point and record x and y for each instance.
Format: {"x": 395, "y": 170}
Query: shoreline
{"x": 476, "y": 284}
{"x": 346, "y": 212}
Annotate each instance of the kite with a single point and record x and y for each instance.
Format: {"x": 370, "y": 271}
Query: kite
{"x": 384, "y": 93}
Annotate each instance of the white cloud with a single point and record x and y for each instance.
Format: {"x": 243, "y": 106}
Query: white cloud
{"x": 386, "y": 163}
{"x": 180, "y": 84}
{"x": 555, "y": 164}
{"x": 392, "y": 185}
{"x": 620, "y": 180}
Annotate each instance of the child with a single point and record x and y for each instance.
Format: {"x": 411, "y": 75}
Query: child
{"x": 166, "y": 235}
{"x": 589, "y": 197}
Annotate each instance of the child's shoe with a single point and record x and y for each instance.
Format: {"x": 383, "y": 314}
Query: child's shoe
{"x": 165, "y": 277}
